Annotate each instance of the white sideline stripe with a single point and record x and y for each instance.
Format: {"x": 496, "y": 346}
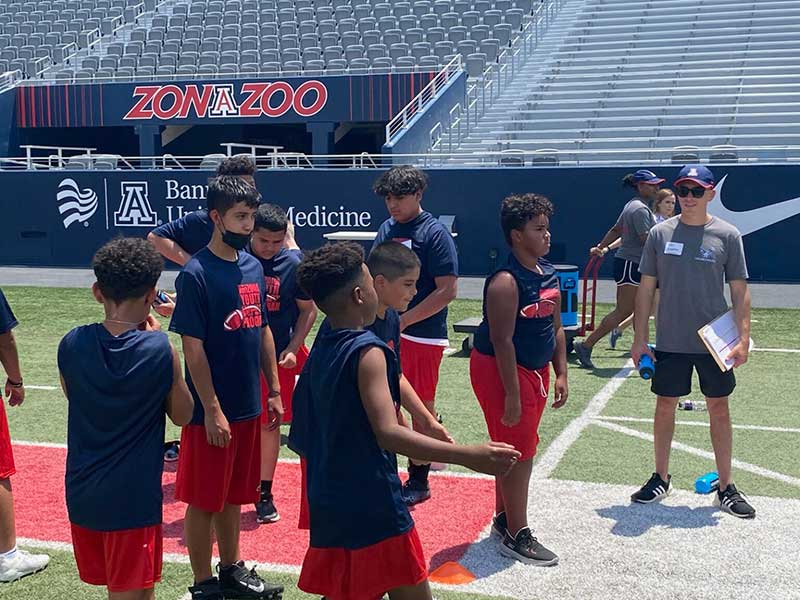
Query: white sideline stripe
{"x": 559, "y": 446}
{"x": 787, "y": 350}
{"x": 40, "y": 387}
{"x": 38, "y": 444}
{"x": 744, "y": 466}
{"x": 701, "y": 424}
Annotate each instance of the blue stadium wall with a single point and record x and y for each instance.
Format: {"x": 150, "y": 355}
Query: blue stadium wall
{"x": 41, "y": 225}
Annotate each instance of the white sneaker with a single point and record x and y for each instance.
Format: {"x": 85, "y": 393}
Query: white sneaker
{"x": 21, "y": 564}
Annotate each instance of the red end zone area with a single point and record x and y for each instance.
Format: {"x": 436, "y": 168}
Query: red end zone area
{"x": 447, "y": 524}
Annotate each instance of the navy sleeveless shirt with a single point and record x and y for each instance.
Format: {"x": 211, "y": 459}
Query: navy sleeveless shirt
{"x": 539, "y": 298}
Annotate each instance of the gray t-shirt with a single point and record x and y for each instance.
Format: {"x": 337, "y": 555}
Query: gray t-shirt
{"x": 691, "y": 263}
{"x": 635, "y": 220}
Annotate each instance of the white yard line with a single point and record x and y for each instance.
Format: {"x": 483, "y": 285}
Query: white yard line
{"x": 701, "y": 424}
{"x": 558, "y": 447}
{"x": 786, "y": 350}
{"x": 37, "y": 444}
{"x": 739, "y": 464}
{"x": 41, "y": 387}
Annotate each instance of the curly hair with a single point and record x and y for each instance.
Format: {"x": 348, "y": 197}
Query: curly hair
{"x": 271, "y": 217}
{"x": 392, "y": 260}
{"x": 400, "y": 181}
{"x": 518, "y": 209}
{"x": 227, "y": 190}
{"x": 239, "y": 165}
{"x": 330, "y": 269}
{"x": 127, "y": 268}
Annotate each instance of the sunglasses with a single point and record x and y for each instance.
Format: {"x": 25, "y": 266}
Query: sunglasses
{"x": 695, "y": 192}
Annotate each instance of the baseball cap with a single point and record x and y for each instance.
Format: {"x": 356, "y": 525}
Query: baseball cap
{"x": 699, "y": 174}
{"x": 645, "y": 176}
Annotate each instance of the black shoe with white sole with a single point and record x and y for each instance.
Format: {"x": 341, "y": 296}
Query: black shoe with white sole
{"x": 237, "y": 582}
{"x": 734, "y": 503}
{"x": 584, "y": 355}
{"x": 655, "y": 489}
{"x": 527, "y": 549}
{"x": 499, "y": 524}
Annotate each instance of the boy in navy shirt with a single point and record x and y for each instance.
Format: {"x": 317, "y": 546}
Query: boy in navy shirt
{"x": 179, "y": 239}
{"x": 363, "y": 541}
{"x": 519, "y": 336}
{"x": 291, "y": 316}
{"x": 120, "y": 377}
{"x": 14, "y": 563}
{"x": 424, "y": 324}
{"x": 221, "y": 315}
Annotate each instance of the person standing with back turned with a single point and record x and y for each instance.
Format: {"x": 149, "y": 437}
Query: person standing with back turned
{"x": 690, "y": 256}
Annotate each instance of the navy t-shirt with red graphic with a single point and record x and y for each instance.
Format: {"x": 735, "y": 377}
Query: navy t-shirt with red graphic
{"x": 192, "y": 231}
{"x": 539, "y": 298}
{"x": 280, "y": 277}
{"x": 433, "y": 245}
{"x": 223, "y": 303}
{"x": 7, "y": 319}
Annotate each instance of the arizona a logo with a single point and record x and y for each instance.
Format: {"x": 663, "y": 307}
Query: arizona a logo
{"x": 135, "y": 209}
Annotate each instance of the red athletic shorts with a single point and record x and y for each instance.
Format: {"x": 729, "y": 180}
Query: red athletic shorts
{"x": 488, "y": 387}
{"x": 7, "y": 468}
{"x": 420, "y": 363}
{"x": 123, "y": 561}
{"x": 287, "y": 379}
{"x": 210, "y": 477}
{"x": 364, "y": 574}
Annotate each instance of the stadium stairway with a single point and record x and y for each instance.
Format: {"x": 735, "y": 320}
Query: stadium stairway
{"x": 673, "y": 74}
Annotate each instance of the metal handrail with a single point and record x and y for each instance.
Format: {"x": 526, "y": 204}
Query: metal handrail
{"x": 421, "y": 100}
{"x": 293, "y": 160}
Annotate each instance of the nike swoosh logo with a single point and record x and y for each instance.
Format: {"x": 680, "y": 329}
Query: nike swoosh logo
{"x": 748, "y": 221}
{"x": 256, "y": 588}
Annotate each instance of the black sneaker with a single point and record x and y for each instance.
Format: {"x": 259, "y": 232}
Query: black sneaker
{"x": 655, "y": 489}
{"x": 171, "y": 451}
{"x": 266, "y": 511}
{"x": 415, "y": 493}
{"x": 499, "y": 524}
{"x": 527, "y": 549}
{"x": 207, "y": 590}
{"x": 584, "y": 355}
{"x": 237, "y": 582}
{"x": 734, "y": 503}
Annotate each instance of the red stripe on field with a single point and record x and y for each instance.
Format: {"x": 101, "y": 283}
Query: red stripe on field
{"x": 447, "y": 524}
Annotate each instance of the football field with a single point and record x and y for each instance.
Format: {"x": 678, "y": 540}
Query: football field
{"x": 593, "y": 454}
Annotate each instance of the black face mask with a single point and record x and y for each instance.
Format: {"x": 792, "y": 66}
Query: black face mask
{"x": 237, "y": 241}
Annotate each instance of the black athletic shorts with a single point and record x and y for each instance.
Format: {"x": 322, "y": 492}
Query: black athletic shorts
{"x": 626, "y": 272}
{"x": 673, "y": 376}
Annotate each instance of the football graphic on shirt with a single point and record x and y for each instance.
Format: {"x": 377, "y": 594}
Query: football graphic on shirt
{"x": 233, "y": 321}
{"x": 544, "y": 307}
{"x": 252, "y": 313}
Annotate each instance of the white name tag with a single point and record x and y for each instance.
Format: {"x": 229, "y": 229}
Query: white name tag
{"x": 675, "y": 248}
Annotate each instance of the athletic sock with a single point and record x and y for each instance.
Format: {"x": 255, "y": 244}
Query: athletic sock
{"x": 10, "y": 554}
{"x": 418, "y": 474}
{"x": 266, "y": 488}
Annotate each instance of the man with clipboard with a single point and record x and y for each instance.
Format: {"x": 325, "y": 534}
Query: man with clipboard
{"x": 690, "y": 256}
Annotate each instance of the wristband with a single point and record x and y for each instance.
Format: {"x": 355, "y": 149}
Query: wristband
{"x": 14, "y": 384}
{"x": 274, "y": 393}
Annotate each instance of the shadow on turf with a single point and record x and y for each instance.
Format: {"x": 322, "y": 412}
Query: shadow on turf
{"x": 633, "y": 520}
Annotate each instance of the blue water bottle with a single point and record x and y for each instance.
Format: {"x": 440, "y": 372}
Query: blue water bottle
{"x": 647, "y": 368}
{"x": 707, "y": 483}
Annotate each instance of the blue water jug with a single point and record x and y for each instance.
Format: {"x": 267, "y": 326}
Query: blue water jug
{"x": 707, "y": 483}
{"x": 646, "y": 366}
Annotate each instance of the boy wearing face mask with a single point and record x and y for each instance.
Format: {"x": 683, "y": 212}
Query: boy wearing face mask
{"x": 221, "y": 315}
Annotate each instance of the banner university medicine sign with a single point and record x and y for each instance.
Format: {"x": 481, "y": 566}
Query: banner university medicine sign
{"x": 341, "y": 98}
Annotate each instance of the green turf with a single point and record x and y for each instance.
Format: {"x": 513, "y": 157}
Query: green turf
{"x": 60, "y": 582}
{"x": 603, "y": 456}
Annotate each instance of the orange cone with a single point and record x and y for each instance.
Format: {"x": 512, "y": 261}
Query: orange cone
{"x": 451, "y": 573}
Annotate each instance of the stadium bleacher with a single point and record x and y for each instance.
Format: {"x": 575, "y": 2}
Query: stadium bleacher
{"x": 85, "y": 40}
{"x": 676, "y": 74}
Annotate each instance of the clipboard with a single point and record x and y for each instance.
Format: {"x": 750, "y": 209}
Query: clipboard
{"x": 719, "y": 337}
